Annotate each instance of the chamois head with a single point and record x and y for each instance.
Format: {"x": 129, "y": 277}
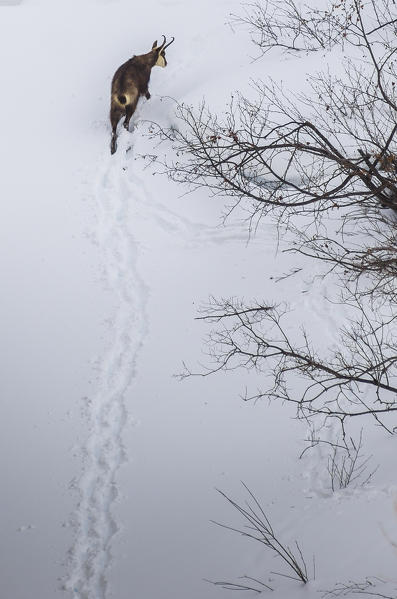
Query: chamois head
{"x": 159, "y": 52}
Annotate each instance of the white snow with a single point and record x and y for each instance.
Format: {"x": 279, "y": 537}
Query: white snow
{"x": 109, "y": 463}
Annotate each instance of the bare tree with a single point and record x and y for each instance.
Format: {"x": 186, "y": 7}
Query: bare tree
{"x": 324, "y": 166}
{"x": 335, "y": 147}
{"x": 359, "y": 379}
{"x": 286, "y": 154}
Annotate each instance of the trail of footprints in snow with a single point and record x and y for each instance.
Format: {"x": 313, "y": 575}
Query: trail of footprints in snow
{"x": 95, "y": 525}
{"x": 94, "y": 522}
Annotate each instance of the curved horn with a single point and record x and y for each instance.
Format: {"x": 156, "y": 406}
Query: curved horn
{"x": 169, "y": 43}
{"x": 161, "y": 47}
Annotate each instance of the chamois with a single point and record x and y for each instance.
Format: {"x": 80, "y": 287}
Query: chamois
{"x": 131, "y": 81}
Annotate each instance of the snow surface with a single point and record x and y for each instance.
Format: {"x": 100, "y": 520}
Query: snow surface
{"x": 108, "y": 462}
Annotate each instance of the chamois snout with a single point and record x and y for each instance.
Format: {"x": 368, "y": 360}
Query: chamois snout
{"x": 130, "y": 82}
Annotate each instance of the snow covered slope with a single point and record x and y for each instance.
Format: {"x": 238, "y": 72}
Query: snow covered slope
{"x": 108, "y": 462}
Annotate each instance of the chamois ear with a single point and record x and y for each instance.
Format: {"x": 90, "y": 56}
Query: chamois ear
{"x": 154, "y": 45}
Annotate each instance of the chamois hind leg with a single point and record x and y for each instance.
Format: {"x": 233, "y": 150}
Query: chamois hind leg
{"x": 115, "y": 115}
{"x": 129, "y": 111}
